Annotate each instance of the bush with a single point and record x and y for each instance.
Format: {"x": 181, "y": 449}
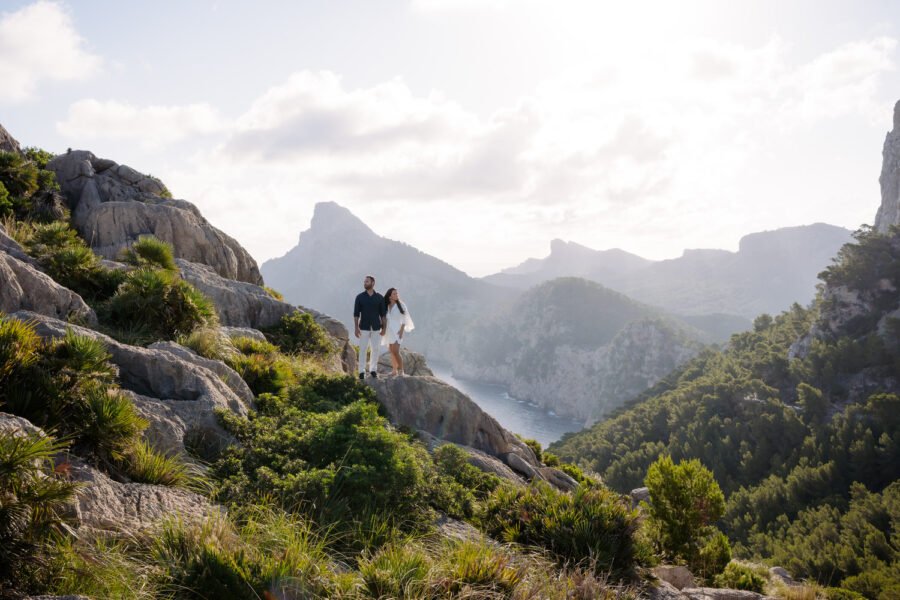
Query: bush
{"x": 71, "y": 263}
{"x": 742, "y": 577}
{"x": 150, "y": 252}
{"x": 479, "y": 567}
{"x": 162, "y": 302}
{"x": 332, "y": 464}
{"x": 684, "y": 500}
{"x": 274, "y": 293}
{"x": 833, "y": 593}
{"x": 590, "y": 525}
{"x": 453, "y": 462}
{"x": 209, "y": 342}
{"x": 396, "y": 571}
{"x": 298, "y": 333}
{"x": 713, "y": 557}
{"x": 32, "y": 504}
{"x": 143, "y": 464}
{"x": 261, "y": 366}
{"x": 109, "y": 424}
{"x": 534, "y": 445}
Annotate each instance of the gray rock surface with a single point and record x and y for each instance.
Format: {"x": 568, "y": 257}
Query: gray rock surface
{"x": 7, "y": 142}
{"x": 238, "y": 303}
{"x": 664, "y": 591}
{"x": 225, "y": 373}
{"x": 13, "y": 248}
{"x": 677, "y": 575}
{"x": 17, "y": 426}
{"x": 114, "y": 205}
{"x": 23, "y": 287}
{"x": 247, "y": 332}
{"x": 889, "y": 211}
{"x": 341, "y": 337}
{"x": 719, "y": 594}
{"x": 106, "y": 505}
{"x": 178, "y": 396}
{"x": 414, "y": 364}
{"x": 428, "y": 404}
{"x": 639, "y": 495}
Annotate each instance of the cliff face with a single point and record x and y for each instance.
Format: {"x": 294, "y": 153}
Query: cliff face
{"x": 889, "y": 211}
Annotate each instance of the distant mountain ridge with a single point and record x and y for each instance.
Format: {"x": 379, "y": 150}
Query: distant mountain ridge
{"x": 770, "y": 270}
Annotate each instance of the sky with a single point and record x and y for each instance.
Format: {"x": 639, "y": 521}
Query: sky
{"x": 474, "y": 130}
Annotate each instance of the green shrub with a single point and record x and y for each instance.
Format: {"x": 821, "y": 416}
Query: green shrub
{"x": 333, "y": 464}
{"x": 479, "y": 567}
{"x": 6, "y": 205}
{"x": 32, "y": 505}
{"x": 550, "y": 459}
{"x": 741, "y": 577}
{"x": 143, "y": 464}
{"x": 162, "y": 302}
{"x": 713, "y": 557}
{"x": 99, "y": 568}
{"x": 209, "y": 342}
{"x": 534, "y": 445}
{"x": 38, "y": 156}
{"x": 453, "y": 462}
{"x": 589, "y": 525}
{"x": 321, "y": 392}
{"x": 274, "y": 293}
{"x": 261, "y": 366}
{"x": 298, "y": 333}
{"x": 70, "y": 262}
{"x": 684, "y": 500}
{"x": 110, "y": 424}
{"x": 150, "y": 252}
{"x": 396, "y": 571}
{"x": 18, "y": 174}
{"x": 833, "y": 593}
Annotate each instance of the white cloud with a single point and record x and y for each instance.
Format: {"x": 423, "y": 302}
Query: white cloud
{"x": 635, "y": 151}
{"x": 151, "y": 126}
{"x": 39, "y": 43}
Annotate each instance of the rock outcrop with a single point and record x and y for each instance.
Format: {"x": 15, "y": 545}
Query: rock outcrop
{"x": 8, "y": 143}
{"x": 889, "y": 211}
{"x": 24, "y": 287}
{"x": 430, "y": 405}
{"x": 113, "y": 206}
{"x": 178, "y": 395}
{"x": 238, "y": 303}
{"x": 413, "y": 364}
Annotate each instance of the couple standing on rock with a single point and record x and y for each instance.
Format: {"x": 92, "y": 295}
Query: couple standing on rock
{"x": 383, "y": 316}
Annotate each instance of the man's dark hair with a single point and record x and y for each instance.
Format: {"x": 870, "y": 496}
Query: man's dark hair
{"x": 372, "y": 277}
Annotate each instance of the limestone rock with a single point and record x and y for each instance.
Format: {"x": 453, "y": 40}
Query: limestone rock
{"x": 414, "y": 364}
{"x": 225, "y": 373}
{"x": 454, "y": 529}
{"x": 889, "y": 211}
{"x": 238, "y": 304}
{"x": 780, "y": 575}
{"x": 247, "y": 332}
{"x": 428, "y": 404}
{"x": 23, "y": 287}
{"x": 179, "y": 396}
{"x": 679, "y": 576}
{"x": 114, "y": 205}
{"x": 8, "y": 143}
{"x": 14, "y": 249}
{"x": 639, "y": 495}
{"x": 17, "y": 426}
{"x": 106, "y": 505}
{"x": 557, "y": 478}
{"x": 664, "y": 591}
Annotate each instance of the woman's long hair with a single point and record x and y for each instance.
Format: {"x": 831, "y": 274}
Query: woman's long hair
{"x": 387, "y": 301}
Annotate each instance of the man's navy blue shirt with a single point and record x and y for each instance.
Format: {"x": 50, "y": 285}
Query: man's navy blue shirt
{"x": 370, "y": 310}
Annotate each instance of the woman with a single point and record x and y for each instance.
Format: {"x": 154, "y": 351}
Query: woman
{"x": 398, "y": 323}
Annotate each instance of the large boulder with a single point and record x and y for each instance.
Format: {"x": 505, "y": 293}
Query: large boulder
{"x": 179, "y": 395}
{"x": 430, "y": 405}
{"x": 238, "y": 303}
{"x": 113, "y": 206}
{"x": 678, "y": 575}
{"x": 23, "y": 287}
{"x": 413, "y": 364}
{"x": 104, "y": 505}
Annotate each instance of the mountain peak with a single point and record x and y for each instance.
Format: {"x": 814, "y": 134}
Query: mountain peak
{"x": 889, "y": 211}
{"x": 7, "y": 142}
{"x": 332, "y": 218}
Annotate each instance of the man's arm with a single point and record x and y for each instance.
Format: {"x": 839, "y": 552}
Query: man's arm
{"x": 357, "y": 310}
{"x": 382, "y": 310}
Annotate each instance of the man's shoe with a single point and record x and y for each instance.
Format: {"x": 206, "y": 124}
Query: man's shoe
{"x": 374, "y": 374}
{"x": 362, "y": 376}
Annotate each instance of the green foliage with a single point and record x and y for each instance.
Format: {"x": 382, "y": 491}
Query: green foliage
{"x": 25, "y": 184}
{"x": 143, "y": 464}
{"x": 162, "y": 302}
{"x": 18, "y": 174}
{"x": 331, "y": 463}
{"x": 38, "y": 156}
{"x": 396, "y": 571}
{"x": 209, "y": 342}
{"x": 460, "y": 485}
{"x": 590, "y": 525}
{"x": 742, "y": 577}
{"x": 684, "y": 501}
{"x": 274, "y": 293}
{"x": 833, "y": 593}
{"x": 261, "y": 366}
{"x": 32, "y": 502}
{"x": 151, "y": 252}
{"x": 71, "y": 263}
{"x": 6, "y": 205}
{"x": 478, "y": 567}
{"x": 109, "y": 423}
{"x": 298, "y": 333}
{"x": 534, "y": 445}
{"x": 713, "y": 556}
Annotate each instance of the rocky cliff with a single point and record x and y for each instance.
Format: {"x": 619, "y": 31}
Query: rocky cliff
{"x": 889, "y": 210}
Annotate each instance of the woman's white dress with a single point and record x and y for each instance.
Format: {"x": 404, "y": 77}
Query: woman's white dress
{"x": 395, "y": 320}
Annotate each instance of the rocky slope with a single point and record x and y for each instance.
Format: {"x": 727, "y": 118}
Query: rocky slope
{"x": 179, "y": 392}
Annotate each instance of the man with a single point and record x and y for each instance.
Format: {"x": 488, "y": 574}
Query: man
{"x": 369, "y": 324}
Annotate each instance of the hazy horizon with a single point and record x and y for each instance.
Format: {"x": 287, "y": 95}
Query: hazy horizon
{"x": 474, "y": 131}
